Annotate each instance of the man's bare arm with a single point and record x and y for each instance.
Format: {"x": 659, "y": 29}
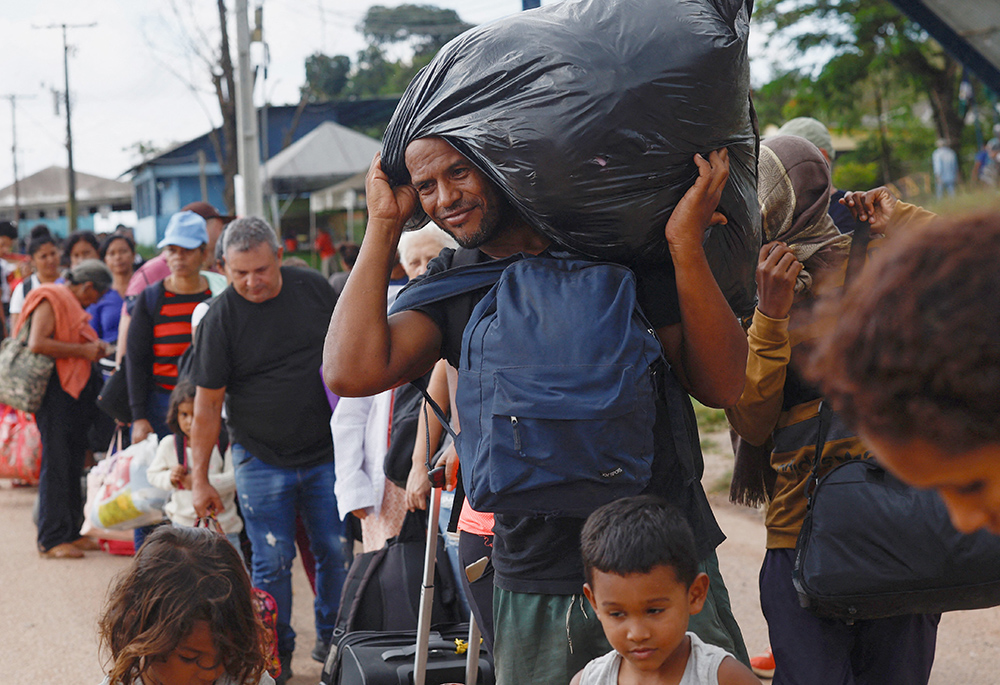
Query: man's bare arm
{"x": 708, "y": 347}
{"x": 204, "y": 436}
{"x": 367, "y": 352}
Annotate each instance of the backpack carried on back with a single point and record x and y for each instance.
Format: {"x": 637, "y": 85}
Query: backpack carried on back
{"x": 557, "y": 384}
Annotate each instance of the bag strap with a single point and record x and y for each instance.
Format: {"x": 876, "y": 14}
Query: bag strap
{"x": 180, "y": 445}
{"x": 855, "y": 261}
{"x": 451, "y": 282}
{"x": 210, "y": 522}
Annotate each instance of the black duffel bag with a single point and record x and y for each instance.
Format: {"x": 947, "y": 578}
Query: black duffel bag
{"x": 588, "y": 115}
{"x": 873, "y": 547}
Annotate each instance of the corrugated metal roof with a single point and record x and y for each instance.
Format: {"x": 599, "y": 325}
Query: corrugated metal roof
{"x": 968, "y": 29}
{"x": 50, "y": 187}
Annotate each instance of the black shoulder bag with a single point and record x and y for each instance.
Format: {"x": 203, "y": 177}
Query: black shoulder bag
{"x": 873, "y": 547}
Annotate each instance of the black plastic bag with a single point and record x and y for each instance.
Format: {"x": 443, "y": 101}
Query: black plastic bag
{"x": 588, "y": 114}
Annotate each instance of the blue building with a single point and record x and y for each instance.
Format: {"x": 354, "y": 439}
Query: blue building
{"x": 190, "y": 171}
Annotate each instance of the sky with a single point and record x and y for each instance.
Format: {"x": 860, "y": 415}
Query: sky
{"x": 135, "y": 75}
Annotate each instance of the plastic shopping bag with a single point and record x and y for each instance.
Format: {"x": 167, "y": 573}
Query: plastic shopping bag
{"x": 126, "y": 499}
{"x": 20, "y": 446}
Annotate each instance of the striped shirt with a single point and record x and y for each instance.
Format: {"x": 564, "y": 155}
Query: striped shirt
{"x": 172, "y": 333}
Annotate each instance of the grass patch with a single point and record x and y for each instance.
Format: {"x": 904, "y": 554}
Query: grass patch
{"x": 709, "y": 419}
{"x": 721, "y": 484}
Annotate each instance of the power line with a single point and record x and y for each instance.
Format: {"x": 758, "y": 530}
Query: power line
{"x": 13, "y": 148}
{"x": 71, "y": 200}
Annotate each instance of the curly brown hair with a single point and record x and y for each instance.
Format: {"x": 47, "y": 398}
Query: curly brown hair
{"x": 913, "y": 348}
{"x": 182, "y": 575}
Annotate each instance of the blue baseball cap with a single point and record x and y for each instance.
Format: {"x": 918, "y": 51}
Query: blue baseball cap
{"x": 187, "y": 230}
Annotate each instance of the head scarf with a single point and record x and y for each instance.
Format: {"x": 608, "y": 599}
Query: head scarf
{"x": 793, "y": 189}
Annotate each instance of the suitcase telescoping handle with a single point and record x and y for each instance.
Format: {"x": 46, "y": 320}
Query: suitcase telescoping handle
{"x": 427, "y": 590}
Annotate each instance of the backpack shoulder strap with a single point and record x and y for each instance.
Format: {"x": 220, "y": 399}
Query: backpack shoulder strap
{"x": 180, "y": 445}
{"x": 457, "y": 280}
{"x": 151, "y": 294}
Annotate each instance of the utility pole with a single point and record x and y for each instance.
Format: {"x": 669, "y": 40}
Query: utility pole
{"x": 247, "y": 146}
{"x": 13, "y": 150}
{"x": 71, "y": 174}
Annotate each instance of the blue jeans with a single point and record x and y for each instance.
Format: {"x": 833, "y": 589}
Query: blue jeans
{"x": 269, "y": 496}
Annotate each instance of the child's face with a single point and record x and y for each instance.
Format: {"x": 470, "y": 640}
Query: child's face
{"x": 645, "y": 616}
{"x": 185, "y": 416}
{"x": 195, "y": 661}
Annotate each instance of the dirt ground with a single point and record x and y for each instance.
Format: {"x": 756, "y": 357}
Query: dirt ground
{"x": 50, "y": 607}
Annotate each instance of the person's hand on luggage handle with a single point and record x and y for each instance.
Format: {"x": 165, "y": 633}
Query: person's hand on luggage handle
{"x": 141, "y": 428}
{"x": 205, "y": 498}
{"x": 697, "y": 210}
{"x": 418, "y": 485}
{"x": 387, "y": 205}
{"x": 777, "y": 269}
{"x": 449, "y": 459}
{"x": 875, "y": 206}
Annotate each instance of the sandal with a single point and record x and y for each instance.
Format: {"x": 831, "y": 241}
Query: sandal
{"x": 66, "y": 550}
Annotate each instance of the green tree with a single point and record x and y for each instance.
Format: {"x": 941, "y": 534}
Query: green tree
{"x": 326, "y": 76}
{"x": 425, "y": 28}
{"x": 875, "y": 48}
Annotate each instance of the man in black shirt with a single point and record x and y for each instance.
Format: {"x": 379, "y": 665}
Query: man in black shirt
{"x": 259, "y": 348}
{"x": 543, "y": 635}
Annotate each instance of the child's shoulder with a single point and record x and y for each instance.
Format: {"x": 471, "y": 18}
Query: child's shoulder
{"x": 709, "y": 664}
{"x": 600, "y": 671}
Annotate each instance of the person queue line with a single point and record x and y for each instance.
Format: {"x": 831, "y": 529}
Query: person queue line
{"x": 246, "y": 360}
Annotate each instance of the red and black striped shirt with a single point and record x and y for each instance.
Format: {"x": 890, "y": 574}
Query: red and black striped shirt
{"x": 172, "y": 333}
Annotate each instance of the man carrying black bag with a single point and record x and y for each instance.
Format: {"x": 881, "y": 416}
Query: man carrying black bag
{"x": 543, "y": 633}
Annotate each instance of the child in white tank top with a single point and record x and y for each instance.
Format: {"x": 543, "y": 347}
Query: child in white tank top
{"x": 642, "y": 580}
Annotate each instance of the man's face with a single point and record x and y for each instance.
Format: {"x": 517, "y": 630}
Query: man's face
{"x": 256, "y": 273}
{"x": 5, "y": 244}
{"x": 454, "y": 193}
{"x": 968, "y": 482}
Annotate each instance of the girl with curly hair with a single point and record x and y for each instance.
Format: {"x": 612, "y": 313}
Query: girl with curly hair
{"x": 183, "y": 615}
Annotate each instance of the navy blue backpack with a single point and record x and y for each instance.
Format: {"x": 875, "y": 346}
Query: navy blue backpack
{"x": 556, "y": 387}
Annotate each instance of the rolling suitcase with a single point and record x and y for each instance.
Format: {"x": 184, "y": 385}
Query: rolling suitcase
{"x": 449, "y": 654}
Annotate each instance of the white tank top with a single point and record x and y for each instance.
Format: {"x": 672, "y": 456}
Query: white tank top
{"x": 702, "y": 666}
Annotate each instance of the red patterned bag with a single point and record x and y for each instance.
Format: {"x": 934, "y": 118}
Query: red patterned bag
{"x": 20, "y": 445}
{"x": 263, "y": 602}
{"x": 267, "y": 609}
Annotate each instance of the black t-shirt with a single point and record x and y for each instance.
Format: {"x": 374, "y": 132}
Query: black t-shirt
{"x": 268, "y": 357}
{"x": 542, "y": 554}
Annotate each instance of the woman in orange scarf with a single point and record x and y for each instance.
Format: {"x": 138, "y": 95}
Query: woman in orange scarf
{"x": 59, "y": 329}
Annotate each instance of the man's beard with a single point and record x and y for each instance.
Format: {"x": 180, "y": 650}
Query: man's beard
{"x": 490, "y": 226}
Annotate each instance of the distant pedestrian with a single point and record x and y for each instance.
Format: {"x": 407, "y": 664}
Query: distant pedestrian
{"x": 945, "y": 164}
{"x": 184, "y": 613}
{"x": 58, "y": 328}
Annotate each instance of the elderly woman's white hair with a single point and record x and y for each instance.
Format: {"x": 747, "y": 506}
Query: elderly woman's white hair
{"x": 416, "y": 248}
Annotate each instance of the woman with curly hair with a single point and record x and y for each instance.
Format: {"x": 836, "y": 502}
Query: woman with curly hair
{"x": 912, "y": 359}
{"x": 182, "y": 614}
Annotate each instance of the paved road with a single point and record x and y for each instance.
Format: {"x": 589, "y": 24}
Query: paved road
{"x": 50, "y": 607}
